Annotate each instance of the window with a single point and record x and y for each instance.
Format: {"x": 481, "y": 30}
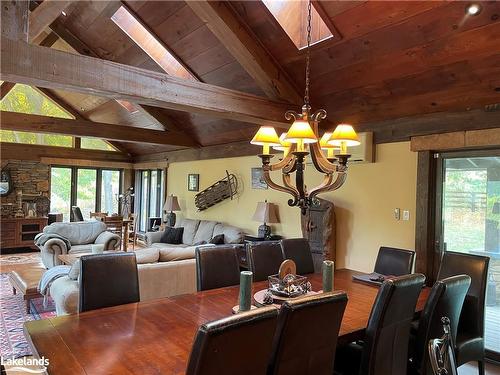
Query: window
{"x": 25, "y": 99}
{"x": 149, "y": 191}
{"x": 149, "y": 44}
{"x": 91, "y": 189}
{"x": 96, "y": 144}
{"x": 292, "y": 17}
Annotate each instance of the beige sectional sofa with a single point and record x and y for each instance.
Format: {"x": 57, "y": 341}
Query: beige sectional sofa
{"x": 164, "y": 269}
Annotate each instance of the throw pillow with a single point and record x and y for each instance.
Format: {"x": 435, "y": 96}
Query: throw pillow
{"x": 74, "y": 271}
{"x": 149, "y": 255}
{"x": 172, "y": 235}
{"x": 218, "y": 240}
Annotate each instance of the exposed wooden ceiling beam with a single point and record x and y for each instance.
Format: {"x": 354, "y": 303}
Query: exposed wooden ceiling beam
{"x": 44, "y": 14}
{"x": 246, "y": 49}
{"x": 14, "y": 17}
{"x": 83, "y": 128}
{"x": 50, "y": 68}
{"x": 5, "y": 89}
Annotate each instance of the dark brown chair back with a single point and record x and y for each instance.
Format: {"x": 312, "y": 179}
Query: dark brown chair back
{"x": 472, "y": 316}
{"x": 264, "y": 259}
{"x": 388, "y": 332}
{"x": 216, "y": 267}
{"x": 108, "y": 280}
{"x": 445, "y": 299}
{"x": 238, "y": 344}
{"x": 298, "y": 250}
{"x": 393, "y": 261}
{"x": 306, "y": 335}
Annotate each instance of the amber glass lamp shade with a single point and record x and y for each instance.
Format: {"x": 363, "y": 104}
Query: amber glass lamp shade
{"x": 344, "y": 136}
{"x": 301, "y": 132}
{"x": 323, "y": 143}
{"x": 284, "y": 144}
{"x": 266, "y": 136}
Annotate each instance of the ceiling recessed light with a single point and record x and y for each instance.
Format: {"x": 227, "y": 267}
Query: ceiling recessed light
{"x": 473, "y": 9}
{"x": 64, "y": 13}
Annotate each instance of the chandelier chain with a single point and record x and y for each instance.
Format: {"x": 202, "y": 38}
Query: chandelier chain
{"x": 308, "y": 57}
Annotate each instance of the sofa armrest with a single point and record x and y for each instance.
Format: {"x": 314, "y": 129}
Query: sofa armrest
{"x": 51, "y": 250}
{"x": 153, "y": 237}
{"x": 110, "y": 240}
{"x": 65, "y": 293}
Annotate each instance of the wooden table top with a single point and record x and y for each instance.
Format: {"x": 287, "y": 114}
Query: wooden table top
{"x": 69, "y": 259}
{"x": 155, "y": 337}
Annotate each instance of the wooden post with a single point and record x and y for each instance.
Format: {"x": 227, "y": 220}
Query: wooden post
{"x": 15, "y": 19}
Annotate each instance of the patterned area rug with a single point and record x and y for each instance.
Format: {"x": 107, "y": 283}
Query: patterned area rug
{"x": 19, "y": 259}
{"x": 13, "y": 314}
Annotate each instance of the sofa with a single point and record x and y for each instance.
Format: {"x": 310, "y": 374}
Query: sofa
{"x": 196, "y": 232}
{"x": 54, "y": 239}
{"x": 164, "y": 269}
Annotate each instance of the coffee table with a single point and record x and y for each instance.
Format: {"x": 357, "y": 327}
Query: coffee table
{"x": 25, "y": 281}
{"x": 70, "y": 259}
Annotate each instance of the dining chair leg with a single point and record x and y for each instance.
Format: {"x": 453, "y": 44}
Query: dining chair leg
{"x": 480, "y": 367}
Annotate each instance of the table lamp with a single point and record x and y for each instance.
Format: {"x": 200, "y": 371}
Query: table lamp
{"x": 265, "y": 213}
{"x": 171, "y": 204}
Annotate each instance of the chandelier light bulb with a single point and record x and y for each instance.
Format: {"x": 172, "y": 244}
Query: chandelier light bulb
{"x": 344, "y": 136}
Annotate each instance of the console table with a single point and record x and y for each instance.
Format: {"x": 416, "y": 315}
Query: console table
{"x": 20, "y": 232}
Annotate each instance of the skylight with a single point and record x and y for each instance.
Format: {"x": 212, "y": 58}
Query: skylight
{"x": 149, "y": 44}
{"x": 292, "y": 17}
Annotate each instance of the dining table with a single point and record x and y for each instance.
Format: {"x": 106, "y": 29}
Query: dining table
{"x": 156, "y": 336}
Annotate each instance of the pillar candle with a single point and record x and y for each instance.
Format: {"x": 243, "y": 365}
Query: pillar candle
{"x": 328, "y": 267}
{"x": 245, "y": 290}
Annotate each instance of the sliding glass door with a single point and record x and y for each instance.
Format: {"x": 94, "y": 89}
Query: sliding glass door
{"x": 149, "y": 192}
{"x": 91, "y": 189}
{"x": 468, "y": 220}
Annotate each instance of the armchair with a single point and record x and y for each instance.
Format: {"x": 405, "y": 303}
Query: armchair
{"x": 75, "y": 237}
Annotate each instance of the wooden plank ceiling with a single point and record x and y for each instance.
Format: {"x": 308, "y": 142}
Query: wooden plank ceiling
{"x": 393, "y": 60}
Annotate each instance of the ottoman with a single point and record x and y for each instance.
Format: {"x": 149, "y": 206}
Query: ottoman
{"x": 25, "y": 281}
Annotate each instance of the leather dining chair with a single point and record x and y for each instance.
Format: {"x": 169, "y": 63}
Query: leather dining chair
{"x": 237, "y": 344}
{"x": 393, "y": 261}
{"x": 445, "y": 300}
{"x": 77, "y": 213}
{"x": 264, "y": 259}
{"x": 216, "y": 267}
{"x": 383, "y": 351}
{"x": 470, "y": 333}
{"x": 298, "y": 250}
{"x": 108, "y": 280}
{"x": 306, "y": 335}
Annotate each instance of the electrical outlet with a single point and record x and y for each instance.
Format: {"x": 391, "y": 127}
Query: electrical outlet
{"x": 406, "y": 215}
{"x": 397, "y": 213}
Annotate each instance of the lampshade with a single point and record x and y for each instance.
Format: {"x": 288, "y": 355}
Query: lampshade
{"x": 323, "y": 143}
{"x": 284, "y": 144}
{"x": 265, "y": 213}
{"x": 171, "y": 204}
{"x": 266, "y": 135}
{"x": 300, "y": 131}
{"x": 344, "y": 133}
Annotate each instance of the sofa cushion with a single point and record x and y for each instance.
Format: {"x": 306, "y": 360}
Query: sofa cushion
{"x": 190, "y": 227}
{"x": 80, "y": 249}
{"x": 168, "y": 254}
{"x": 78, "y": 233}
{"x": 148, "y": 255}
{"x": 231, "y": 234}
{"x": 160, "y": 245}
{"x": 205, "y": 231}
{"x": 172, "y": 235}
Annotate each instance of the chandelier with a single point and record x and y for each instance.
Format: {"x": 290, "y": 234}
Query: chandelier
{"x": 300, "y": 141}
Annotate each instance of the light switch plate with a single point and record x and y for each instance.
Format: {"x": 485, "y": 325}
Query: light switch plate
{"x": 397, "y": 214}
{"x": 406, "y": 215}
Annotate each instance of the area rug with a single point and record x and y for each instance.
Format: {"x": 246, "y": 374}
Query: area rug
{"x": 19, "y": 259}
{"x": 13, "y": 314}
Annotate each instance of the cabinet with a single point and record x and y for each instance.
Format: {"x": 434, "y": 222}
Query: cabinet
{"x": 20, "y": 232}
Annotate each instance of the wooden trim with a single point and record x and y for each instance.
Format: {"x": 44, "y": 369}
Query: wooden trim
{"x": 229, "y": 150}
{"x": 44, "y": 14}
{"x": 5, "y": 89}
{"x": 21, "y": 151}
{"x": 424, "y": 216}
{"x": 85, "y": 163}
{"x": 151, "y": 165}
{"x": 246, "y": 49}
{"x": 457, "y": 140}
{"x": 50, "y": 68}
{"x": 84, "y": 128}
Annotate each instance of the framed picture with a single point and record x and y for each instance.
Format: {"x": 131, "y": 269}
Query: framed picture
{"x": 258, "y": 181}
{"x": 193, "y": 182}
